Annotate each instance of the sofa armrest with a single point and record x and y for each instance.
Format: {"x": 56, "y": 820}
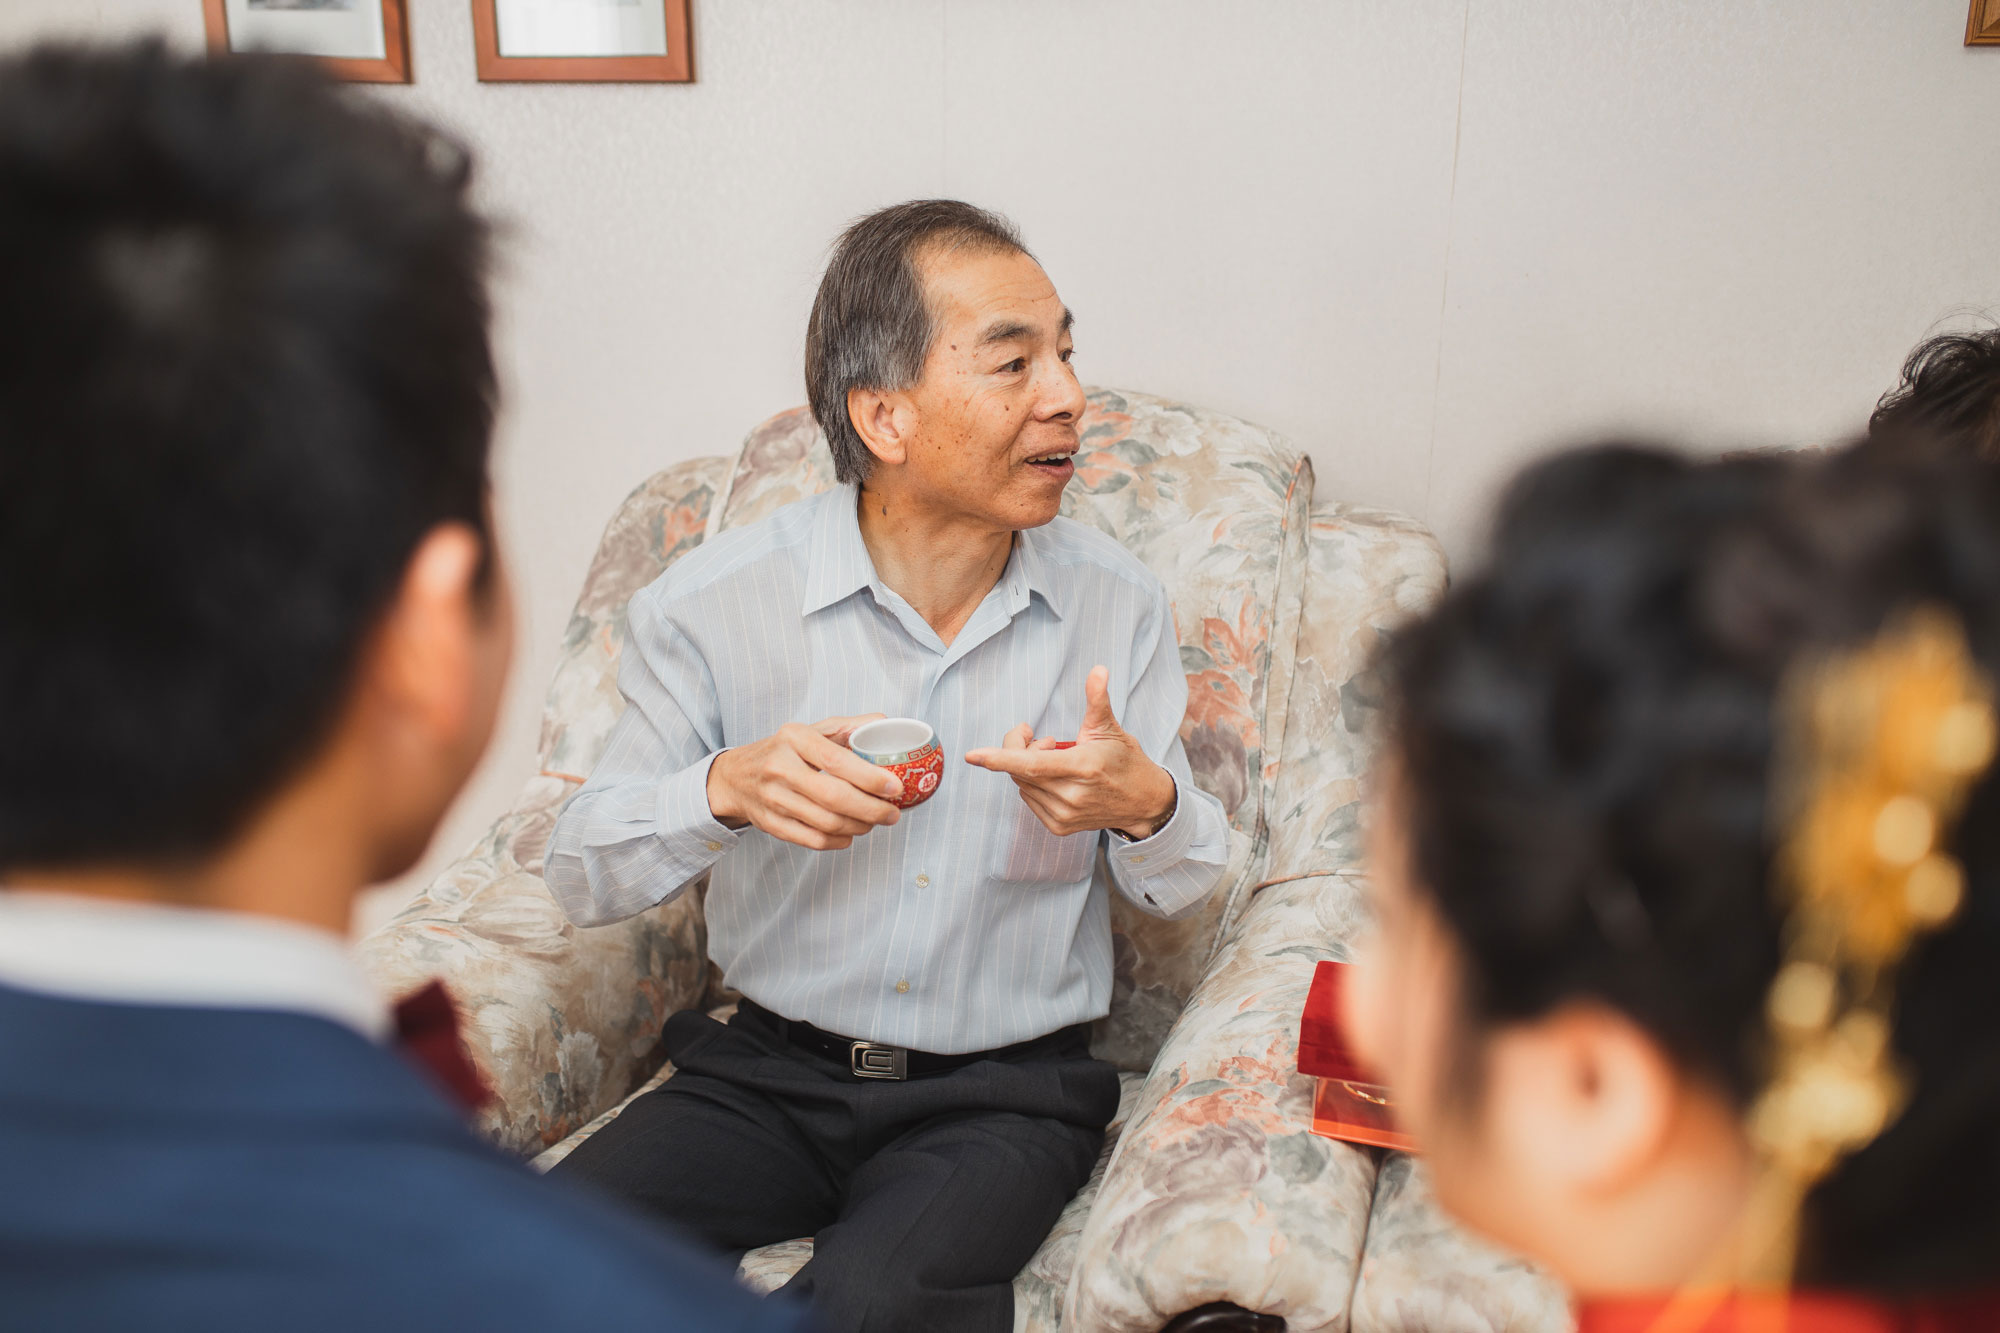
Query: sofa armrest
{"x": 562, "y": 1021}
{"x": 1220, "y": 1191}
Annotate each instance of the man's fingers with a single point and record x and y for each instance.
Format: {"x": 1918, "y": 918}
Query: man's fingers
{"x": 1097, "y": 715}
{"x": 1018, "y": 738}
{"x": 844, "y": 798}
{"x": 843, "y": 763}
{"x": 1070, "y": 763}
{"x": 1056, "y": 818}
{"x": 790, "y": 830}
{"x": 838, "y": 729}
{"x": 801, "y": 809}
{"x": 1019, "y": 763}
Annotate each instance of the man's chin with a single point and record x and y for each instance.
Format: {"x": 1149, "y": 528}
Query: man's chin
{"x": 1037, "y": 511}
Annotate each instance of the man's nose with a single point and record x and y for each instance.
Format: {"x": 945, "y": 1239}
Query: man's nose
{"x": 1062, "y": 396}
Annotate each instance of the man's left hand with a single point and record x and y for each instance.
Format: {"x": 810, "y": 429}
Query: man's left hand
{"x": 1102, "y": 779}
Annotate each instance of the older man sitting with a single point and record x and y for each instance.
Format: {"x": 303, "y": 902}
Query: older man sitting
{"x": 908, "y": 1077}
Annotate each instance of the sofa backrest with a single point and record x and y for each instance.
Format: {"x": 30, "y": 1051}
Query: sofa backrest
{"x": 1219, "y": 509}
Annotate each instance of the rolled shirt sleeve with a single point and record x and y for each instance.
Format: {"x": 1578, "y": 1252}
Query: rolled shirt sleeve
{"x": 640, "y": 830}
{"x": 1171, "y": 873}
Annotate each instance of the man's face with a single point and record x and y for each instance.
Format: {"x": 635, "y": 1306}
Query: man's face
{"x": 998, "y": 405}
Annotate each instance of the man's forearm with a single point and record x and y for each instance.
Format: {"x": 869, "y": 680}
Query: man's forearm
{"x": 622, "y": 848}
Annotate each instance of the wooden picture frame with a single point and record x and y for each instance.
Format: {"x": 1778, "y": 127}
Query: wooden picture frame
{"x": 676, "y": 66}
{"x": 392, "y": 67}
{"x": 1982, "y": 25}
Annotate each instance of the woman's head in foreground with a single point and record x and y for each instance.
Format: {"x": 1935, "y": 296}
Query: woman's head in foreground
{"x": 1572, "y": 864}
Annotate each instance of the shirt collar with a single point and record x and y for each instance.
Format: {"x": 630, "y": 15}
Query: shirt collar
{"x": 840, "y": 566}
{"x": 181, "y": 957}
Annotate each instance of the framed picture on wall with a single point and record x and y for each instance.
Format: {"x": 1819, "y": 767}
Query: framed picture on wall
{"x": 364, "y": 40}
{"x": 582, "y": 41}
{"x": 1982, "y": 28}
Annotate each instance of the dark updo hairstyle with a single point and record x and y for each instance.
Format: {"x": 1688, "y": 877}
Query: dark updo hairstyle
{"x": 1585, "y": 729}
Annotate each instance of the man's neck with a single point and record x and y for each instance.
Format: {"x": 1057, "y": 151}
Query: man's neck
{"x": 293, "y": 863}
{"x": 942, "y": 565}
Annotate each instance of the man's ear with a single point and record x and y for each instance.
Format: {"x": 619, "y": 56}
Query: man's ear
{"x": 1588, "y": 1098}
{"x": 424, "y": 670}
{"x": 886, "y": 423}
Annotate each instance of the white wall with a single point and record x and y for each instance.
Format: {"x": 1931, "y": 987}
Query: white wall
{"x": 1424, "y": 238}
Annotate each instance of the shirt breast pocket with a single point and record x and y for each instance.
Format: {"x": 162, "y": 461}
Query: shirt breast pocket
{"x": 1033, "y": 854}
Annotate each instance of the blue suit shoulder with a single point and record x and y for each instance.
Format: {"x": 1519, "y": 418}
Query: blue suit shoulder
{"x": 507, "y": 1250}
{"x": 213, "y": 1170}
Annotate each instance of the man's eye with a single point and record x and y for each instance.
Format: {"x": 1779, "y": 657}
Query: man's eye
{"x": 1016, "y": 366}
{"x": 1066, "y": 353}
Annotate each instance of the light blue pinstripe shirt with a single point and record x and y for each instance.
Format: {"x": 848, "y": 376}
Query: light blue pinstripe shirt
{"x": 964, "y": 926}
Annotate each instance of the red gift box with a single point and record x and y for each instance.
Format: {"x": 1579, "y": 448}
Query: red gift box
{"x": 1346, "y": 1104}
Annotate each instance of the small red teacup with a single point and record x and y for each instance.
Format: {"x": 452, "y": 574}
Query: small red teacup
{"x": 906, "y": 747}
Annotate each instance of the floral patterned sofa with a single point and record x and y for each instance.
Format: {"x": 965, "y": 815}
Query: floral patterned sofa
{"x": 1212, "y": 1192}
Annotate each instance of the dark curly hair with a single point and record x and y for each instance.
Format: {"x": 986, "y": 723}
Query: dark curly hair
{"x": 1585, "y": 728}
{"x": 1948, "y": 396}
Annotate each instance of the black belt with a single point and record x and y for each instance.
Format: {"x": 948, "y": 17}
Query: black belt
{"x": 874, "y": 1059}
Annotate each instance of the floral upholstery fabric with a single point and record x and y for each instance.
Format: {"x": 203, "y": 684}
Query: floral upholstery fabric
{"x": 1220, "y": 510}
{"x": 1370, "y": 570}
{"x": 1421, "y": 1271}
{"x": 562, "y": 1021}
{"x": 1220, "y": 1191}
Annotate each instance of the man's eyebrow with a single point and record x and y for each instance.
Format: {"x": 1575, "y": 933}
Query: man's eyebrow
{"x": 1008, "y": 330}
{"x": 1005, "y": 331}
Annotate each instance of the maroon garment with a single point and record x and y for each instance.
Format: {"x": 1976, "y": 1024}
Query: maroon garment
{"x": 427, "y": 1036}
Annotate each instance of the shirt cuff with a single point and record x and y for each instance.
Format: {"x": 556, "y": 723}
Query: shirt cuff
{"x": 689, "y": 830}
{"x": 1165, "y": 849}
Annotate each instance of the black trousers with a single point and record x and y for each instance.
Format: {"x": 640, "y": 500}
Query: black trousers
{"x": 924, "y": 1197}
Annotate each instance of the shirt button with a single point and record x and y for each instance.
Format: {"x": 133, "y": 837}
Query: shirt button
{"x": 1138, "y": 860}
{"x": 923, "y": 881}
{"x": 902, "y": 988}
{"x": 714, "y": 846}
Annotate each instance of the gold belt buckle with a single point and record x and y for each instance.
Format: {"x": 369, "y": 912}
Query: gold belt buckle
{"x": 867, "y": 1059}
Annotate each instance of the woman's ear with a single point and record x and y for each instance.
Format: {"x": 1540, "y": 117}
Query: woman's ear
{"x": 1585, "y": 1098}
{"x": 884, "y": 421}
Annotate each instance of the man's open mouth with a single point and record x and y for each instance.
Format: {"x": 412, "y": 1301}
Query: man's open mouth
{"x": 1057, "y": 461}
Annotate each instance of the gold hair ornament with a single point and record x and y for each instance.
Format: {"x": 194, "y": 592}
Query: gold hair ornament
{"x": 1880, "y": 748}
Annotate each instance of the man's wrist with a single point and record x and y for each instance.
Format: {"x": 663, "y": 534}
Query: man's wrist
{"x": 721, "y": 802}
{"x": 1145, "y": 829}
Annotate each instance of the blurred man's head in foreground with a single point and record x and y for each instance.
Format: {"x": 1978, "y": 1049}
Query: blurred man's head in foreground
{"x": 249, "y": 596}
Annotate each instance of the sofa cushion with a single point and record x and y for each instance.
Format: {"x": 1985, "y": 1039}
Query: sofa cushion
{"x": 1218, "y": 508}
{"x": 1369, "y": 570}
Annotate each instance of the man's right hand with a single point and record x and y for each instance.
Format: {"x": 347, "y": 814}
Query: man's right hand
{"x": 804, "y": 785}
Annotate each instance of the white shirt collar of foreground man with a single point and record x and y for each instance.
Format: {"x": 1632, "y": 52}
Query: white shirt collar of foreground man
{"x": 115, "y": 952}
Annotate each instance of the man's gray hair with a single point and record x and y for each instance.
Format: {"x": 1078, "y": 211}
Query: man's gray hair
{"x": 872, "y": 325}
